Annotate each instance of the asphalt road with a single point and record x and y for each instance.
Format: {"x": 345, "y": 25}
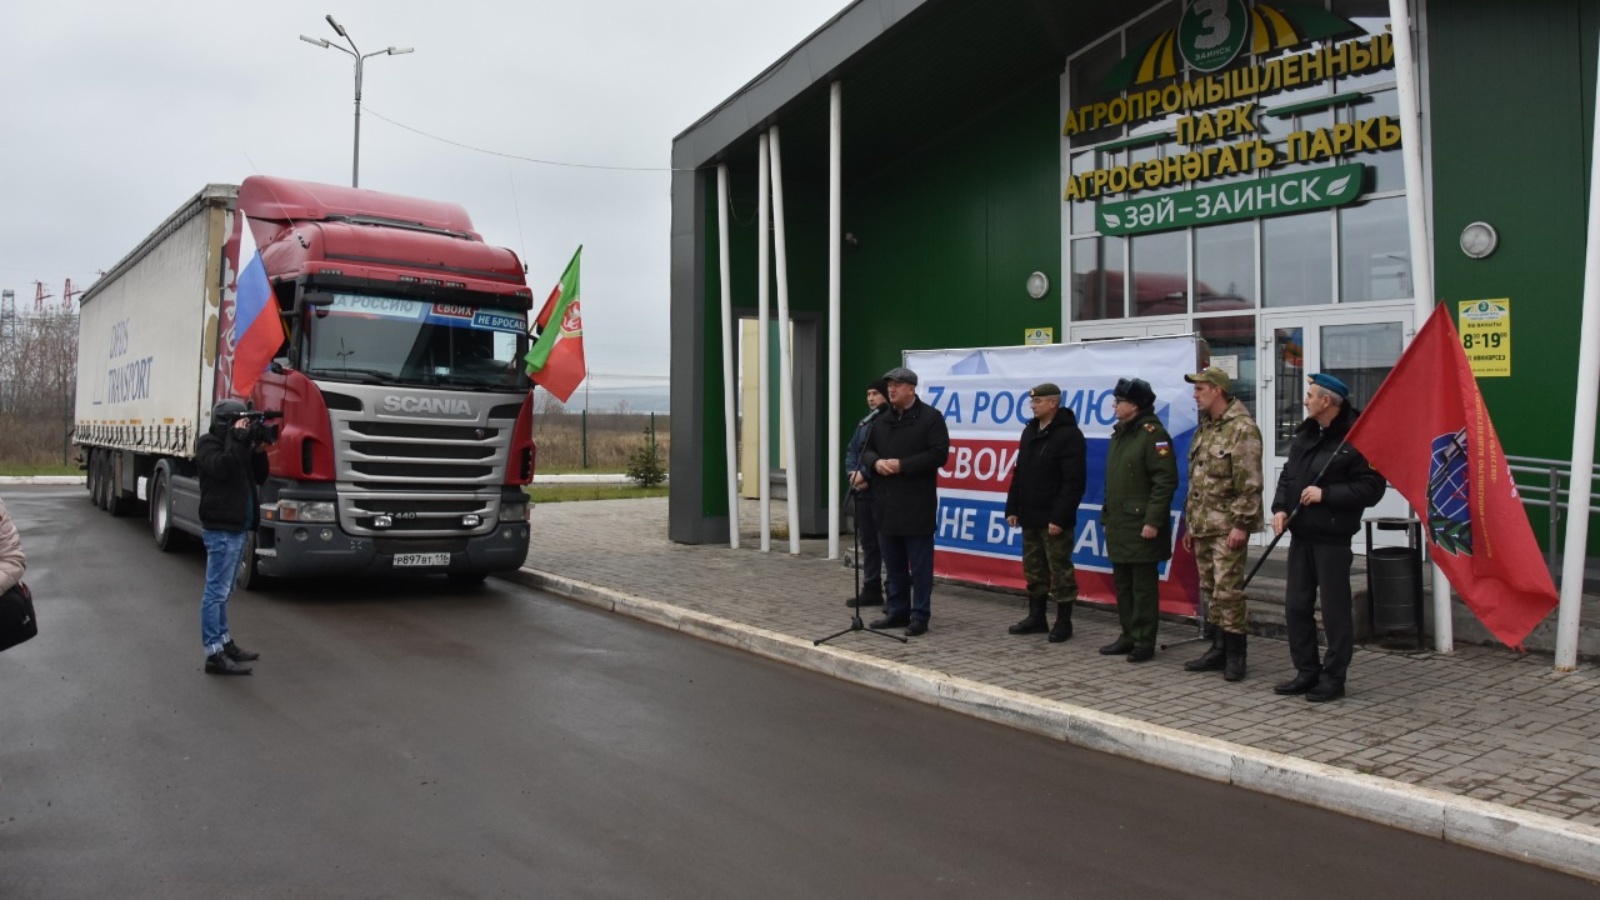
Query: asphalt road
{"x": 407, "y": 739}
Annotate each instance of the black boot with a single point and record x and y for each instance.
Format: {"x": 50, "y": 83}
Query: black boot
{"x": 1234, "y": 646}
{"x": 220, "y": 664}
{"x": 1036, "y": 621}
{"x": 1063, "y": 627}
{"x": 238, "y": 654}
{"x": 1212, "y": 659}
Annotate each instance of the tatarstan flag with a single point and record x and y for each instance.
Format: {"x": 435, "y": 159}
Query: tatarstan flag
{"x": 556, "y": 359}
{"x": 1429, "y": 433}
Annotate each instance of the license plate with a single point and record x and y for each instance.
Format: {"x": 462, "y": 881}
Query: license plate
{"x": 421, "y": 559}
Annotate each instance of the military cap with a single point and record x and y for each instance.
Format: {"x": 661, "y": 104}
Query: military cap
{"x": 902, "y": 374}
{"x": 1045, "y": 389}
{"x": 1329, "y": 383}
{"x": 1210, "y": 375}
{"x": 1136, "y": 391}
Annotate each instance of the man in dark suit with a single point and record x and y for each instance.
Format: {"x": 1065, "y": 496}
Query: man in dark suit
{"x": 908, "y": 444}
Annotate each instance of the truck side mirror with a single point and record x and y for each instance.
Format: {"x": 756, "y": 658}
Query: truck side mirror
{"x": 317, "y": 298}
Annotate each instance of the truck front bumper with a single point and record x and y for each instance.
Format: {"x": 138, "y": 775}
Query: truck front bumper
{"x": 291, "y": 550}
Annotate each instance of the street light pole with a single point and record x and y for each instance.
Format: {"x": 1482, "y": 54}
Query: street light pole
{"x": 360, "y": 59}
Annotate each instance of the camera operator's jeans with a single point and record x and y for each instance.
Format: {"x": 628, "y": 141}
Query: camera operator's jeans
{"x": 224, "y": 549}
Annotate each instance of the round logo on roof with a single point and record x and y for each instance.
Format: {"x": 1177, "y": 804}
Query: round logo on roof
{"x": 1212, "y": 32}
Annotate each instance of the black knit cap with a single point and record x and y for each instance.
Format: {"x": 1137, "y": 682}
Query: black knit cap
{"x": 879, "y": 385}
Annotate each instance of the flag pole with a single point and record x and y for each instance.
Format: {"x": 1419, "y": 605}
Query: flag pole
{"x": 1408, "y": 89}
{"x": 1575, "y": 551}
{"x": 763, "y": 340}
{"x": 835, "y": 239}
{"x": 729, "y": 384}
{"x": 780, "y": 246}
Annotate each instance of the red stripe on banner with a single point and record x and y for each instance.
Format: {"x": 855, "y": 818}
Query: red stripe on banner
{"x": 978, "y": 465}
{"x": 1176, "y": 598}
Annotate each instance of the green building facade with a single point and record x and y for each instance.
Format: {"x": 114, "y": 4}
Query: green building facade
{"x": 1230, "y": 169}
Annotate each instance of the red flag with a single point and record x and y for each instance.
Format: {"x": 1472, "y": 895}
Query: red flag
{"x": 556, "y": 358}
{"x": 1429, "y": 433}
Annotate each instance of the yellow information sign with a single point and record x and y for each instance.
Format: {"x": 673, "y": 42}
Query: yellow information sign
{"x": 1485, "y": 327}
{"x": 1038, "y": 337}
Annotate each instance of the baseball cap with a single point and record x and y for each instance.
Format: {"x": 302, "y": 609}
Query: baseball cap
{"x": 1210, "y": 375}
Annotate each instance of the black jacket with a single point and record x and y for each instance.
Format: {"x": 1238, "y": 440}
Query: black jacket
{"x": 1048, "y": 480}
{"x": 230, "y": 469}
{"x": 907, "y": 504}
{"x": 1349, "y": 485}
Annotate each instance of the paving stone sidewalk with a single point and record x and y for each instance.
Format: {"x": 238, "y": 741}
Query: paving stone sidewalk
{"x": 1480, "y": 722}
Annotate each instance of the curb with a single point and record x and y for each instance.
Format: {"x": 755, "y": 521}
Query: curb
{"x": 1545, "y": 841}
{"x": 42, "y": 479}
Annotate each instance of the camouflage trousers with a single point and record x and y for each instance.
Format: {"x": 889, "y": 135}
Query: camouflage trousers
{"x": 1047, "y": 565}
{"x": 1221, "y": 577}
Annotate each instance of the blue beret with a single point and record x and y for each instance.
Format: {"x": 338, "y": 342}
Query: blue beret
{"x": 1329, "y": 383}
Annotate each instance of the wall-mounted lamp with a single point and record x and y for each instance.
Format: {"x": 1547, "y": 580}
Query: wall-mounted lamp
{"x": 1479, "y": 239}
{"x": 1038, "y": 285}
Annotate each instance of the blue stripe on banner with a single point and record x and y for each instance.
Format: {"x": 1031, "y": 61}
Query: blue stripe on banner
{"x": 969, "y": 525}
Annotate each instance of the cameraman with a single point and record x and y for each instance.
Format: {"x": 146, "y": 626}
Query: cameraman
{"x": 232, "y": 461}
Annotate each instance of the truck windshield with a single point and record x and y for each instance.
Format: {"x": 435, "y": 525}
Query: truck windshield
{"x": 396, "y": 340}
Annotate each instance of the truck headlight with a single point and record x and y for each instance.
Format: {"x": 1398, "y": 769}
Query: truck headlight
{"x": 307, "y": 511}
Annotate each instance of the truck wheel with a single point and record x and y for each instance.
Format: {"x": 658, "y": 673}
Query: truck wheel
{"x": 249, "y": 577}
{"x": 167, "y": 538}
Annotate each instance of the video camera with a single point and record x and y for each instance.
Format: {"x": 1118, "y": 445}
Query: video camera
{"x": 260, "y": 432}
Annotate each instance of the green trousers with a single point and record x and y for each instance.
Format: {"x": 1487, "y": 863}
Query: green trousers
{"x": 1138, "y": 600}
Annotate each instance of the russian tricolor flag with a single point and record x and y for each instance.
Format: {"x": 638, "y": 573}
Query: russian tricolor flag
{"x": 257, "y": 320}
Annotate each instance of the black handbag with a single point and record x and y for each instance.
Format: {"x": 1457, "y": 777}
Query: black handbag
{"x": 17, "y": 621}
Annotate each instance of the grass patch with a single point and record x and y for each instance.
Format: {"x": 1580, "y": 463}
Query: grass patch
{"x": 21, "y": 468}
{"x": 561, "y": 493}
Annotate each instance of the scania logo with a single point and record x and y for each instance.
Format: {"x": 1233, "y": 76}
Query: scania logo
{"x": 443, "y": 406}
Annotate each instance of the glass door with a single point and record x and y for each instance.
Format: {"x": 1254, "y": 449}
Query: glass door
{"x": 1358, "y": 346}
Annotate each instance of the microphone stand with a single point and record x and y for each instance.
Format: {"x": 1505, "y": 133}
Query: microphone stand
{"x": 855, "y": 608}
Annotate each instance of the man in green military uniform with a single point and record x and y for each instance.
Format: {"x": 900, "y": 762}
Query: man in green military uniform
{"x": 1222, "y": 510}
{"x": 1141, "y": 477}
{"x": 1047, "y": 485}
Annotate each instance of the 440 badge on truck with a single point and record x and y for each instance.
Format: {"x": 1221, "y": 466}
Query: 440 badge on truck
{"x": 1275, "y": 196}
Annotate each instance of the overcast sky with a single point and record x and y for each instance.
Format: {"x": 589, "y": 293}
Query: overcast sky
{"x": 115, "y": 114}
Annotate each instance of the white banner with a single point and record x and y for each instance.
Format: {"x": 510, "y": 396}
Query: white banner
{"x": 983, "y": 394}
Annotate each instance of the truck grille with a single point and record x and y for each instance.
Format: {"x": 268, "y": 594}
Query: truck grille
{"x": 428, "y": 477}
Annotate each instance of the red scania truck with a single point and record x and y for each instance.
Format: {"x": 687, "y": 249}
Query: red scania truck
{"x": 406, "y": 434}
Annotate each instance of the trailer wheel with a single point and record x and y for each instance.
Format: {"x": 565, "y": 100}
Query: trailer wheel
{"x": 92, "y": 479}
{"x": 167, "y": 538}
{"x": 102, "y": 494}
{"x": 118, "y": 503}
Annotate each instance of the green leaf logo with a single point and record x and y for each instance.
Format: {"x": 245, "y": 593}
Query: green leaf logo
{"x": 1112, "y": 220}
{"x": 1337, "y": 188}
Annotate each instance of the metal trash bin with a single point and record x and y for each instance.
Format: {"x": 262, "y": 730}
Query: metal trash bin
{"x": 1394, "y": 580}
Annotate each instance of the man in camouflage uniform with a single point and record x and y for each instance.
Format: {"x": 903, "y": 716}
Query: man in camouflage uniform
{"x": 1222, "y": 511}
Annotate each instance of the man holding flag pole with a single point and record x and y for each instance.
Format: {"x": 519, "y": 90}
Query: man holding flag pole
{"x": 555, "y": 361}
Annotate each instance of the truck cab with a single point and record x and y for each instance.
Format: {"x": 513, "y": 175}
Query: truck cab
{"x": 406, "y": 434}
